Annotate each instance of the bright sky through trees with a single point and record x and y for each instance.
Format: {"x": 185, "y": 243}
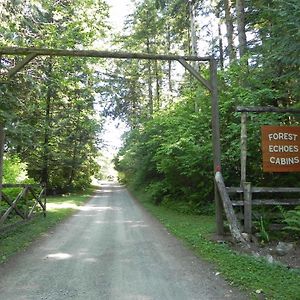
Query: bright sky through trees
{"x": 114, "y": 129}
{"x": 119, "y": 10}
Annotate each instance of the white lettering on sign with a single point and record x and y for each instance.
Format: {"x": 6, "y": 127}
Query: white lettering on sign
{"x": 282, "y": 136}
{"x": 283, "y": 148}
{"x": 284, "y": 160}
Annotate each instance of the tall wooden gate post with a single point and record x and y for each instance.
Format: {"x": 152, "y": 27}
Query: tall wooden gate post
{"x": 247, "y": 207}
{"x": 213, "y": 88}
{"x": 216, "y": 142}
{"x": 243, "y": 148}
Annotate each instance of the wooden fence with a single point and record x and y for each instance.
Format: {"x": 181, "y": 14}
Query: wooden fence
{"x": 247, "y": 192}
{"x": 21, "y": 206}
{"x": 248, "y": 202}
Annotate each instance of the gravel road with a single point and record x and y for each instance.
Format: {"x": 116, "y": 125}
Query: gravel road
{"x": 111, "y": 249}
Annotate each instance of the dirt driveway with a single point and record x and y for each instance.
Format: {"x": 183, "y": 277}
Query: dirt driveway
{"x": 111, "y": 249}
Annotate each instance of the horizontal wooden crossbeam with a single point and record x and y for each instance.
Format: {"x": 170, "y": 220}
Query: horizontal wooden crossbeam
{"x": 267, "y": 109}
{"x": 284, "y": 202}
{"x": 19, "y": 185}
{"x": 254, "y": 189}
{"x": 96, "y": 53}
{"x": 31, "y": 53}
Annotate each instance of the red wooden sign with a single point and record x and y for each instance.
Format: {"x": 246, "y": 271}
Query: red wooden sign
{"x": 281, "y": 148}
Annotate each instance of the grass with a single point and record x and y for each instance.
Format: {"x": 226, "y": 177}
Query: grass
{"x": 256, "y": 276}
{"x": 58, "y": 208}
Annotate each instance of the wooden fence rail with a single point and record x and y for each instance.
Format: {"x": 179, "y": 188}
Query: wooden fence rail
{"x": 248, "y": 201}
{"x": 25, "y": 210}
{"x": 254, "y": 189}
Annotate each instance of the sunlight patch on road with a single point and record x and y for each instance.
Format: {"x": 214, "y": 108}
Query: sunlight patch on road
{"x": 64, "y": 205}
{"x": 131, "y": 224}
{"x": 59, "y": 256}
{"x": 90, "y": 259}
{"x": 107, "y": 191}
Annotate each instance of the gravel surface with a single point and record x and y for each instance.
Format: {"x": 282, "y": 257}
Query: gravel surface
{"x": 111, "y": 249}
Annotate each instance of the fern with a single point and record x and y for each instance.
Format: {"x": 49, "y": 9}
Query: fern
{"x": 292, "y": 219}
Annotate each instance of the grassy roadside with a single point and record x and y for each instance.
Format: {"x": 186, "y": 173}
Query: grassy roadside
{"x": 261, "y": 279}
{"x": 58, "y": 208}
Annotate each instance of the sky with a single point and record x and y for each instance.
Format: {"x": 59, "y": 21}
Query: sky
{"x": 118, "y": 12}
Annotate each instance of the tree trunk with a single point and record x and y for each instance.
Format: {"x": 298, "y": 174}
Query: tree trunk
{"x": 194, "y": 51}
{"x": 150, "y": 92}
{"x": 169, "y": 62}
{"x": 74, "y": 160}
{"x": 229, "y": 29}
{"x": 193, "y": 40}
{"x": 220, "y": 44}
{"x": 240, "y": 13}
{"x": 157, "y": 86}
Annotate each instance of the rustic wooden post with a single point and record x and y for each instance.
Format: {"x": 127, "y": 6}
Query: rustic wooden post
{"x": 243, "y": 147}
{"x": 25, "y": 197}
{"x": 2, "y": 141}
{"x": 44, "y": 195}
{"x": 232, "y": 220}
{"x": 216, "y": 142}
{"x": 247, "y": 207}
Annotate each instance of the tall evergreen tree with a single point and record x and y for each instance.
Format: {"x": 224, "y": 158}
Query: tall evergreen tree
{"x": 53, "y": 112}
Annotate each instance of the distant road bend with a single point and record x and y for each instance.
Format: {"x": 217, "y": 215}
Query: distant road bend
{"x": 111, "y": 249}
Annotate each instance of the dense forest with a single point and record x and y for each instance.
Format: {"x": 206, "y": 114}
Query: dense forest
{"x": 168, "y": 150}
{"x": 52, "y": 125}
{"x": 49, "y": 108}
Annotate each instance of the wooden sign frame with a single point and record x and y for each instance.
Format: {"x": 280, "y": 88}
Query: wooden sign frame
{"x": 281, "y": 148}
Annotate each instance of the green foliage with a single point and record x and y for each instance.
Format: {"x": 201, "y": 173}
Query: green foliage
{"x": 241, "y": 85}
{"x": 263, "y": 233}
{"x": 163, "y": 155}
{"x": 292, "y": 219}
{"x": 48, "y": 108}
{"x": 171, "y": 154}
{"x": 277, "y": 27}
{"x": 14, "y": 170}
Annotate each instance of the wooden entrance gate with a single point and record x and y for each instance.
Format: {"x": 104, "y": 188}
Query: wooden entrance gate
{"x": 210, "y": 84}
